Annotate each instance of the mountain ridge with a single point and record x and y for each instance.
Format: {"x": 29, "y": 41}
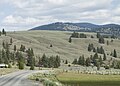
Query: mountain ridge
{"x": 85, "y": 26}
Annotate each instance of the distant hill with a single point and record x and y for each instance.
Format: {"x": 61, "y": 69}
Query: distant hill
{"x": 87, "y": 27}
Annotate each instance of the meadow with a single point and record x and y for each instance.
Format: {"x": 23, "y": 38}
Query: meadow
{"x": 75, "y": 79}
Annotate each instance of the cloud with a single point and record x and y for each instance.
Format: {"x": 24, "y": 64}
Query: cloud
{"x": 30, "y": 13}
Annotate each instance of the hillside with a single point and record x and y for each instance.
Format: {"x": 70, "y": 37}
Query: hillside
{"x": 87, "y": 27}
{"x": 40, "y": 41}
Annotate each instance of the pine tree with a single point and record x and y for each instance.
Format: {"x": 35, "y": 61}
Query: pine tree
{"x": 75, "y": 61}
{"x": 32, "y": 63}
{"x": 101, "y": 50}
{"x": 3, "y": 44}
{"x": 94, "y": 50}
{"x": 3, "y": 31}
{"x": 98, "y": 65}
{"x": 5, "y": 59}
{"x": 104, "y": 57}
{"x": 39, "y": 63}
{"x": 98, "y": 35}
{"x": 95, "y": 58}
{"x": 87, "y": 62}
{"x": 107, "y": 42}
{"x": 51, "y": 62}
{"x": 14, "y": 47}
{"x": 22, "y": 48}
{"x": 75, "y": 34}
{"x": 44, "y": 61}
{"x": 70, "y": 40}
{"x": 11, "y": 41}
{"x": 57, "y": 62}
{"x": 1, "y": 59}
{"x": 101, "y": 40}
{"x": 30, "y": 59}
{"x": 82, "y": 60}
{"x": 98, "y": 50}
{"x": 100, "y": 60}
{"x": 89, "y": 47}
{"x": 115, "y": 54}
{"x": 21, "y": 61}
{"x": 66, "y": 62}
{"x": 0, "y": 33}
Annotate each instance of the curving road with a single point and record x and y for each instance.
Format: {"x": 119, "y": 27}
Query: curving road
{"x": 18, "y": 79}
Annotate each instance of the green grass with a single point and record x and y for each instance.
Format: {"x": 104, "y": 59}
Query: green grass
{"x": 75, "y": 79}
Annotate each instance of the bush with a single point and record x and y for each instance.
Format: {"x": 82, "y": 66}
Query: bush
{"x": 37, "y": 79}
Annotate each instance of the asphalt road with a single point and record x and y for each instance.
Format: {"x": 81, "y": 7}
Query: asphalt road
{"x": 19, "y": 79}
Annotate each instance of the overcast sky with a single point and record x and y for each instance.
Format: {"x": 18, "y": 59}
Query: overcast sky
{"x": 25, "y": 14}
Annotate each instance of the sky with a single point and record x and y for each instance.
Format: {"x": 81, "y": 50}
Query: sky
{"x": 16, "y": 15}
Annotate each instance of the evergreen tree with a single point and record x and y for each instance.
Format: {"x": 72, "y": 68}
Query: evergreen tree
{"x": 104, "y": 57}
{"x": 32, "y": 63}
{"x": 95, "y": 56}
{"x": 0, "y": 33}
{"x": 21, "y": 61}
{"x": 3, "y": 31}
{"x": 98, "y": 35}
{"x": 98, "y": 65}
{"x": 82, "y": 35}
{"x": 11, "y": 41}
{"x": 1, "y": 59}
{"x": 75, "y": 61}
{"x": 95, "y": 59}
{"x": 100, "y": 60}
{"x": 98, "y": 50}
{"x": 66, "y": 62}
{"x": 30, "y": 59}
{"x": 101, "y": 40}
{"x": 22, "y": 48}
{"x": 44, "y": 61}
{"x": 107, "y": 42}
{"x": 101, "y": 50}
{"x": 94, "y": 50}
{"x": 82, "y": 60}
{"x": 51, "y": 62}
{"x": 87, "y": 62}
{"x": 5, "y": 59}
{"x": 3, "y": 44}
{"x": 90, "y": 47}
{"x": 8, "y": 52}
{"x": 57, "y": 62}
{"x": 75, "y": 34}
{"x": 14, "y": 47}
{"x": 70, "y": 40}
{"x": 115, "y": 54}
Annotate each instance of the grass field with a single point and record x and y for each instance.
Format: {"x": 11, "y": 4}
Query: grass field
{"x": 40, "y": 41}
{"x": 74, "y": 79}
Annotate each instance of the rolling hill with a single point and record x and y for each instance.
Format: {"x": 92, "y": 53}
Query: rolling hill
{"x": 40, "y": 41}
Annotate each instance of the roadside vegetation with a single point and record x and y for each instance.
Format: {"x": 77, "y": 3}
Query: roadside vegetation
{"x": 4, "y": 71}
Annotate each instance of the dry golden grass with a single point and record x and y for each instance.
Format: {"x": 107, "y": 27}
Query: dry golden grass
{"x": 40, "y": 41}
